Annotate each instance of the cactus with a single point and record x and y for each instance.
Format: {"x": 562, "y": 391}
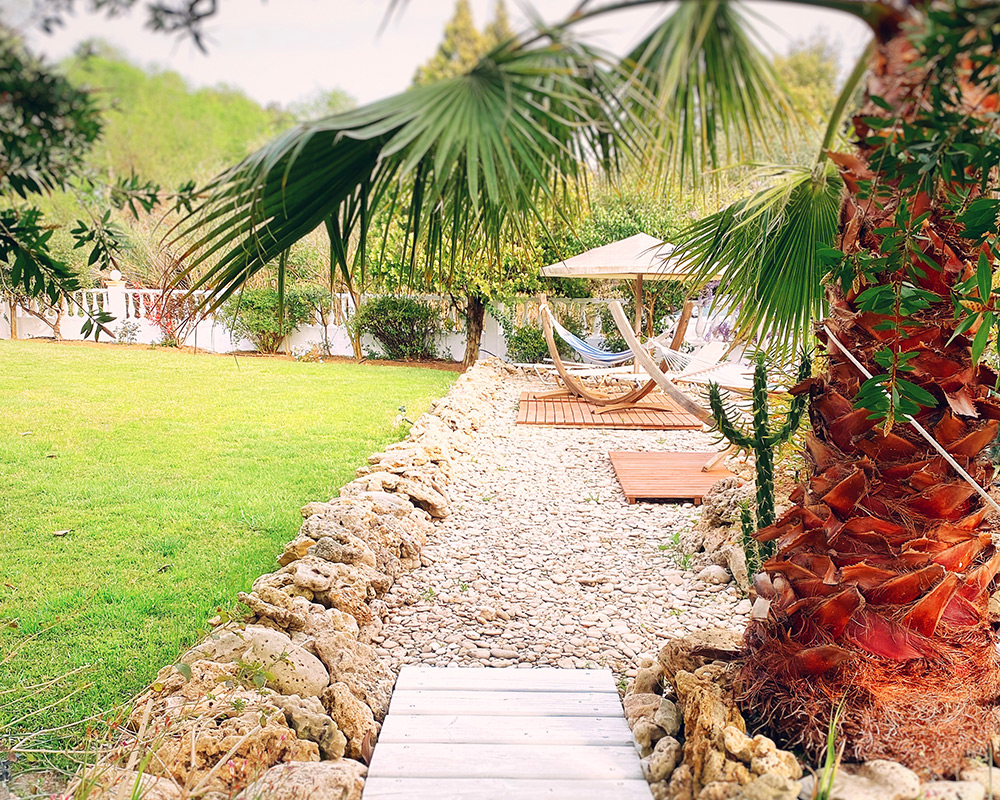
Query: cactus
{"x": 759, "y": 438}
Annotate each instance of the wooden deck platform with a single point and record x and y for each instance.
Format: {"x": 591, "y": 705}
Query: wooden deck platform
{"x": 572, "y": 412}
{"x": 665, "y": 476}
{"x": 505, "y": 734}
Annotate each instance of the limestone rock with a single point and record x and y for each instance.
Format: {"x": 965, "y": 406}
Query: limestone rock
{"x": 649, "y": 680}
{"x": 669, "y": 717}
{"x": 646, "y": 735}
{"x": 309, "y": 509}
{"x": 358, "y": 667}
{"x": 353, "y": 717}
{"x": 707, "y": 700}
{"x": 690, "y": 652}
{"x": 986, "y": 776}
{"x": 771, "y": 787}
{"x": 721, "y": 505}
{"x": 720, "y": 790}
{"x": 190, "y": 754}
{"x": 325, "y": 780}
{"x": 295, "y": 550}
{"x": 953, "y": 790}
{"x": 343, "y": 548}
{"x": 110, "y": 783}
{"x": 714, "y": 574}
{"x": 660, "y": 765}
{"x": 873, "y": 780}
{"x": 307, "y": 717}
{"x": 640, "y": 706}
{"x": 292, "y": 669}
{"x": 769, "y": 760}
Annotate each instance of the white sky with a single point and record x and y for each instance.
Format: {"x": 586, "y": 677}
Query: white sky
{"x": 285, "y": 50}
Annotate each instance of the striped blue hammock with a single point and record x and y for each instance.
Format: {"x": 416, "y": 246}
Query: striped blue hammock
{"x": 588, "y": 352}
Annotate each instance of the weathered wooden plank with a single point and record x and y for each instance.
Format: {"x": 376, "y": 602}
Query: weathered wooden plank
{"x": 506, "y": 704}
{"x": 537, "y": 679}
{"x": 548, "y": 762}
{"x": 503, "y": 789}
{"x": 479, "y": 729}
{"x": 665, "y": 476}
{"x": 655, "y": 413}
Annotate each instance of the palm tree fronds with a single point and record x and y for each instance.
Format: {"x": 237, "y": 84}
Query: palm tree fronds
{"x": 766, "y": 248}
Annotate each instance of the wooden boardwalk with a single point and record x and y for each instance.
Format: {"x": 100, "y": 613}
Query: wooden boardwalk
{"x": 572, "y": 412}
{"x": 665, "y": 476}
{"x": 505, "y": 734}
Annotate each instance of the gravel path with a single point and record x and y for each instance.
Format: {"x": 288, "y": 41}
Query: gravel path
{"x": 543, "y": 563}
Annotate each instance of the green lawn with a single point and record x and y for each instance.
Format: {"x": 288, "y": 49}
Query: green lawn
{"x": 179, "y": 477}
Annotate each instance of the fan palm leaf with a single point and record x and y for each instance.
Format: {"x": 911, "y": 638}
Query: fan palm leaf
{"x": 475, "y": 156}
{"x": 768, "y": 246}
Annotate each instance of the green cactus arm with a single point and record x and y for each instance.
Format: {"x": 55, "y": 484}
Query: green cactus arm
{"x": 760, "y": 426}
{"x": 796, "y": 409}
{"x": 723, "y": 424}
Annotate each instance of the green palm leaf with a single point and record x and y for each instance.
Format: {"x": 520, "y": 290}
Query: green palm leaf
{"x": 767, "y": 249}
{"x": 471, "y": 158}
{"x": 714, "y": 93}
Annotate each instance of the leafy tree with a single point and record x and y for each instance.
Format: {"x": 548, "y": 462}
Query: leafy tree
{"x": 459, "y": 51}
{"x": 322, "y": 104}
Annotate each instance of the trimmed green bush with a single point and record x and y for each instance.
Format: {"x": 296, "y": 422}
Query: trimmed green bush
{"x": 253, "y": 314}
{"x": 403, "y": 326}
{"x": 526, "y": 343}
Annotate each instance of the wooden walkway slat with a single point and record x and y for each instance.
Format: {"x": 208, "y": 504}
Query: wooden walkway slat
{"x": 482, "y": 729}
{"x": 654, "y": 412}
{"x": 504, "y": 789}
{"x": 499, "y": 680}
{"x": 505, "y": 734}
{"x": 665, "y": 476}
{"x": 505, "y": 703}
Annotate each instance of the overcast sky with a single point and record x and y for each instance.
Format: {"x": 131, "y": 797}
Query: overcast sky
{"x": 285, "y": 50}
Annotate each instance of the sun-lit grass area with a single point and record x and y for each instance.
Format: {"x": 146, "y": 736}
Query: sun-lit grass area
{"x": 176, "y": 479}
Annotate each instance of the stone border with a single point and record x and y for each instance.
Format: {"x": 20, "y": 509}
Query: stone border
{"x": 289, "y": 702}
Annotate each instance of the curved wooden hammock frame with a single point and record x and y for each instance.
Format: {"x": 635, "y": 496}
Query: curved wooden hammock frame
{"x": 574, "y": 386}
{"x": 631, "y": 398}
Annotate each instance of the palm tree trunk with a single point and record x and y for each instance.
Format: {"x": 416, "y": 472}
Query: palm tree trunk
{"x": 877, "y": 595}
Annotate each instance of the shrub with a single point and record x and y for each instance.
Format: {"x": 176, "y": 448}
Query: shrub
{"x": 526, "y": 343}
{"x": 253, "y": 315}
{"x": 403, "y": 326}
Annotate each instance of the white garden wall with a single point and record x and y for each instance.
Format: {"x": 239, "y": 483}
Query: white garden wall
{"x": 136, "y": 307}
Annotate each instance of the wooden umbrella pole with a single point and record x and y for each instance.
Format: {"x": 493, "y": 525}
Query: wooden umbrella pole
{"x": 638, "y": 305}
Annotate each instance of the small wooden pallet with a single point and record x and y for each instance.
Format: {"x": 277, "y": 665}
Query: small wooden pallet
{"x": 655, "y": 412}
{"x": 665, "y": 476}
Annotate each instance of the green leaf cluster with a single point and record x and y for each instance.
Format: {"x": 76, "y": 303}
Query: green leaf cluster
{"x": 264, "y": 318}
{"x": 404, "y": 326}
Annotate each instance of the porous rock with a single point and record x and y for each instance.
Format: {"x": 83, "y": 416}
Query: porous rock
{"x": 953, "y": 790}
{"x": 308, "y": 718}
{"x": 669, "y": 717}
{"x": 640, "y": 706}
{"x": 291, "y": 669}
{"x": 325, "y": 780}
{"x": 353, "y": 717}
{"x": 661, "y": 763}
{"x": 110, "y": 783}
{"x": 697, "y": 649}
{"x": 357, "y": 666}
{"x": 873, "y": 780}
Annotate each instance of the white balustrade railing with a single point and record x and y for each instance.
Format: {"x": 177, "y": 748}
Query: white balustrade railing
{"x": 136, "y": 318}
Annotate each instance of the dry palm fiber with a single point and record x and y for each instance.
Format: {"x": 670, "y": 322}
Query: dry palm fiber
{"x": 883, "y": 569}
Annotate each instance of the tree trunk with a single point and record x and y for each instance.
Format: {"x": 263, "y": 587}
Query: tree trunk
{"x": 877, "y": 595}
{"x": 475, "y": 317}
{"x": 12, "y": 305}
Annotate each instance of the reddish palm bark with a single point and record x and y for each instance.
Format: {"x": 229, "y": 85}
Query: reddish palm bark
{"x": 878, "y": 591}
